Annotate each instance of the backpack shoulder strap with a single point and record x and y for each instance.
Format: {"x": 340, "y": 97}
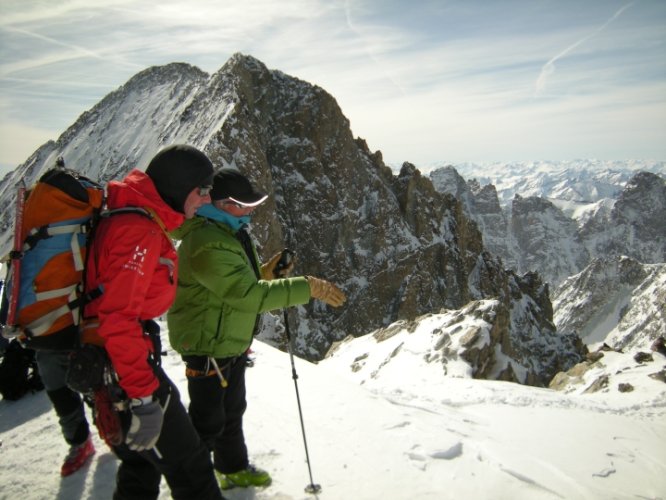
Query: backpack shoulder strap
{"x": 90, "y": 295}
{"x": 146, "y": 212}
{"x": 126, "y": 210}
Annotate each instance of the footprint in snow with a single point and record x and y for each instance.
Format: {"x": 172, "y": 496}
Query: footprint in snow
{"x": 605, "y": 473}
{"x": 399, "y": 426}
{"x": 417, "y": 459}
{"x": 449, "y": 454}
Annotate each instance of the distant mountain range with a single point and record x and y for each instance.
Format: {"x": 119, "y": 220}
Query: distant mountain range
{"x": 578, "y": 182}
{"x": 556, "y": 218}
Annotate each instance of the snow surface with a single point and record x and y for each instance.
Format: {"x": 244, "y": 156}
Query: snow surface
{"x": 395, "y": 437}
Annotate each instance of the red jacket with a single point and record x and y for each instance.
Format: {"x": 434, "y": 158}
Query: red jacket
{"x": 135, "y": 263}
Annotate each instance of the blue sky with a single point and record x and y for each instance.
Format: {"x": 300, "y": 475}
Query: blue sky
{"x": 422, "y": 81}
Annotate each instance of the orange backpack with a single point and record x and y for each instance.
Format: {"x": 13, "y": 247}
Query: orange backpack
{"x": 58, "y": 216}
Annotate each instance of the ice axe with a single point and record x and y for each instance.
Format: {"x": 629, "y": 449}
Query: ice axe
{"x": 285, "y": 261}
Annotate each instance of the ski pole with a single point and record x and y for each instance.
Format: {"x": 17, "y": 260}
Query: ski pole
{"x": 283, "y": 263}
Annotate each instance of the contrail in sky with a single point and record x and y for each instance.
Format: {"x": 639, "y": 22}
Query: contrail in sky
{"x": 368, "y": 50}
{"x": 81, "y": 50}
{"x": 549, "y": 68}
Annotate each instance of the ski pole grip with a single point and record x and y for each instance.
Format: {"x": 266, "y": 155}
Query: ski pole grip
{"x": 285, "y": 261}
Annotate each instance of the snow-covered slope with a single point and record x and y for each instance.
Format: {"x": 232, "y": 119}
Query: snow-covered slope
{"x": 400, "y": 433}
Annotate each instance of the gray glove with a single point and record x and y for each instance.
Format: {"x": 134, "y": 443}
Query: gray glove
{"x": 146, "y": 424}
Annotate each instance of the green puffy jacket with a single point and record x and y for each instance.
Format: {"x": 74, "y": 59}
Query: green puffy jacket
{"x": 218, "y": 296}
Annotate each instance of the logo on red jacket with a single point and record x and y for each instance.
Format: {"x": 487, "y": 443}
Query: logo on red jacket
{"x": 136, "y": 264}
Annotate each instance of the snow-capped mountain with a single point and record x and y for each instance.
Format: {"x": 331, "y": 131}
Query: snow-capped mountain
{"x": 634, "y": 226}
{"x": 396, "y": 246}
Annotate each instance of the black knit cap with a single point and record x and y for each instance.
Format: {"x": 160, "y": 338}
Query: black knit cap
{"x": 229, "y": 183}
{"x": 177, "y": 170}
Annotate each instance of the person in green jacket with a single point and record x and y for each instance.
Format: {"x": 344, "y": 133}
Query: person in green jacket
{"x": 221, "y": 291}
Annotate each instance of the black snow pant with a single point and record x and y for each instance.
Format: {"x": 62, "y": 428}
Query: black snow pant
{"x": 179, "y": 455}
{"x": 217, "y": 412}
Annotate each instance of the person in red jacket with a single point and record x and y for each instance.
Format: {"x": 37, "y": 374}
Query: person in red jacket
{"x": 133, "y": 262}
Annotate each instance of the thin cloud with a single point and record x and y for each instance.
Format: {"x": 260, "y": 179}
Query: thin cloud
{"x": 61, "y": 83}
{"x": 548, "y": 69}
{"x": 434, "y": 79}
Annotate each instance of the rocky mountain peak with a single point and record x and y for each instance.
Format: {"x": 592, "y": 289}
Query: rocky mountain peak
{"x": 635, "y": 224}
{"x": 643, "y": 201}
